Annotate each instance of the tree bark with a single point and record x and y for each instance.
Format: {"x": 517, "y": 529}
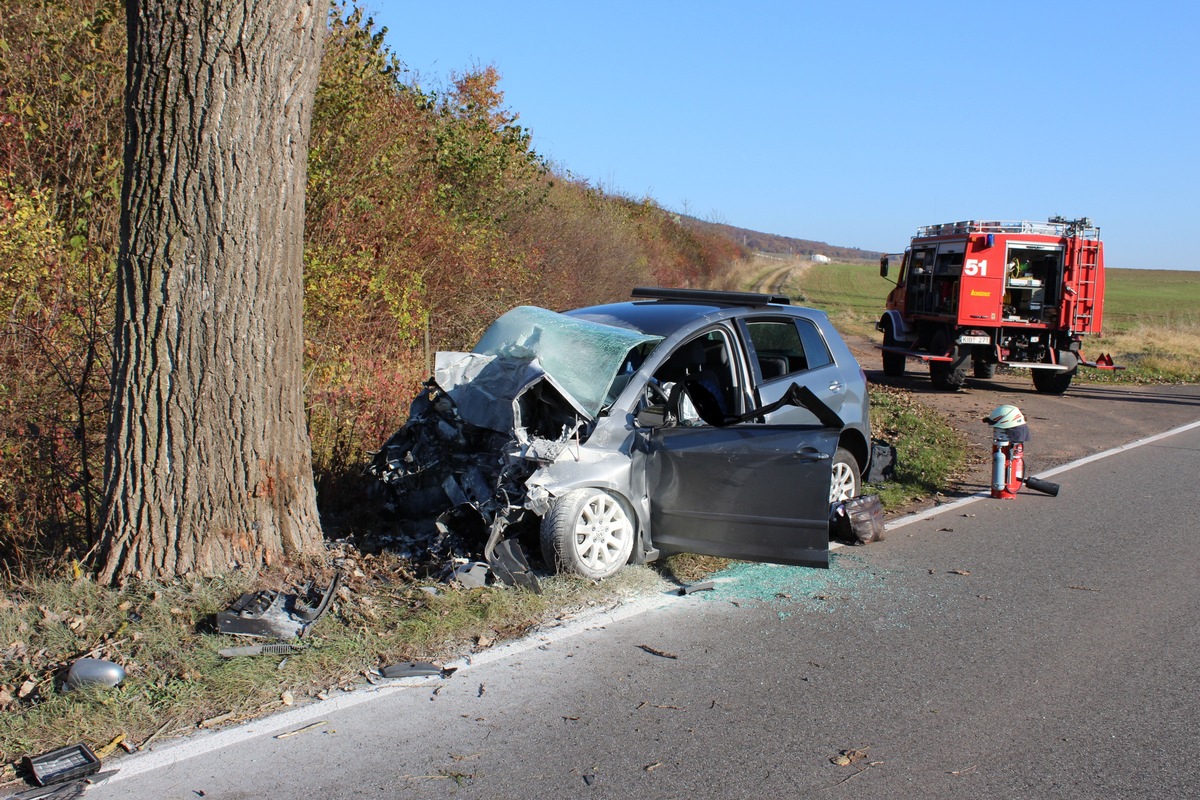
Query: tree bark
{"x": 209, "y": 461}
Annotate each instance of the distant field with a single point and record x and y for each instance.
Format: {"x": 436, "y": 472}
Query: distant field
{"x": 852, "y": 294}
{"x": 1135, "y": 297}
{"x": 1151, "y": 317}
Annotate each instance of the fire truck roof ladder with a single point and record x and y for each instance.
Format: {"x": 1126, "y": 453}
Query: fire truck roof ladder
{"x": 1056, "y": 226}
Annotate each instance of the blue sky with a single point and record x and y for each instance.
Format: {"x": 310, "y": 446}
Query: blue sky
{"x": 852, "y": 122}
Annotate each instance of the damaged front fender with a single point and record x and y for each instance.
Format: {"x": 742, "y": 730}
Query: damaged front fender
{"x": 455, "y": 472}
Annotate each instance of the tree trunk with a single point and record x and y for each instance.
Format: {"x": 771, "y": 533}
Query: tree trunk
{"x": 209, "y": 460}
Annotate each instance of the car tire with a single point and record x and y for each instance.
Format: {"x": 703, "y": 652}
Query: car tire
{"x": 845, "y": 481}
{"x": 588, "y": 532}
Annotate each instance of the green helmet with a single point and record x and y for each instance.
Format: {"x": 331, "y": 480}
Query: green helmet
{"x": 1004, "y": 417}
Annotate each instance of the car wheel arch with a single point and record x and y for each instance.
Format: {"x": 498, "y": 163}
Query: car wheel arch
{"x": 854, "y": 441}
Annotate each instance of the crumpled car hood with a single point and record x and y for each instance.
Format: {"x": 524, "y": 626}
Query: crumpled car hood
{"x": 485, "y": 388}
{"x": 455, "y": 472}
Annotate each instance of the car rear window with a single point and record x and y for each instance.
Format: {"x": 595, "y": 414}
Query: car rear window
{"x": 787, "y": 346}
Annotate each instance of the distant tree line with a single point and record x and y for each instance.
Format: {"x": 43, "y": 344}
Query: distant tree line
{"x": 759, "y": 242}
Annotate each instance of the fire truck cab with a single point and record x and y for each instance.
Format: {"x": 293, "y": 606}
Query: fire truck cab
{"x": 1020, "y": 294}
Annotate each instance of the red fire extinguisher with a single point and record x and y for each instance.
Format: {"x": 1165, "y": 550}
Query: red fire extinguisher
{"x": 1009, "y": 434}
{"x": 1008, "y": 466}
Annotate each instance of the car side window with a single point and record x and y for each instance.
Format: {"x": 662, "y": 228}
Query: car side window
{"x": 777, "y": 348}
{"x": 815, "y": 350}
{"x": 701, "y": 366}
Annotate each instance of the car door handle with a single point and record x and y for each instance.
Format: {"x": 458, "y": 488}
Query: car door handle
{"x": 836, "y": 386}
{"x": 811, "y": 454}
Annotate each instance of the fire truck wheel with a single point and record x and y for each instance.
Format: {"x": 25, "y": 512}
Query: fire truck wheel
{"x": 893, "y": 363}
{"x": 985, "y": 369}
{"x": 1047, "y": 382}
{"x": 948, "y": 375}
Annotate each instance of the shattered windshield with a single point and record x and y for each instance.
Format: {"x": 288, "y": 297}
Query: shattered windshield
{"x": 583, "y": 357}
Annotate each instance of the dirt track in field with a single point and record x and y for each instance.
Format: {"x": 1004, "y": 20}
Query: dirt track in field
{"x": 776, "y": 278}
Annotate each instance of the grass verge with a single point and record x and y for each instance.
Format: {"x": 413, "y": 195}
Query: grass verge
{"x": 165, "y": 638}
{"x": 929, "y": 453}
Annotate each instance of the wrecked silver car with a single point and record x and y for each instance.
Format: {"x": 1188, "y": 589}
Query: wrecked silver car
{"x": 721, "y": 423}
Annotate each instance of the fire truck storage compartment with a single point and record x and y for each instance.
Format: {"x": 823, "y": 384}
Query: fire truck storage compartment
{"x": 934, "y": 274}
{"x": 1031, "y": 280}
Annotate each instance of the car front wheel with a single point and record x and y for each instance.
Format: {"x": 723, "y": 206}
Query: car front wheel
{"x": 589, "y": 532}
{"x": 846, "y": 481}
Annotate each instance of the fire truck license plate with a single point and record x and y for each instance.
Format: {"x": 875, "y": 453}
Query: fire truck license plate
{"x": 974, "y": 340}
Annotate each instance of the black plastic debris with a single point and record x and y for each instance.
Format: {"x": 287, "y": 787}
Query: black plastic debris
{"x": 471, "y": 575}
{"x": 274, "y": 615}
{"x": 654, "y": 651}
{"x": 508, "y": 563}
{"x": 59, "y": 791}
{"x": 64, "y": 764}
{"x": 859, "y": 520}
{"x": 412, "y": 669}
{"x": 93, "y": 671}
{"x": 703, "y": 586}
{"x": 883, "y": 462}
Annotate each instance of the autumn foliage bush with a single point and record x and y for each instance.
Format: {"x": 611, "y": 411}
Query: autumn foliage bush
{"x": 429, "y": 213}
{"x": 62, "y": 78}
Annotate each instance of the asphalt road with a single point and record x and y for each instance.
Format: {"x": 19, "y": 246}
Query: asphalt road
{"x": 1036, "y": 647}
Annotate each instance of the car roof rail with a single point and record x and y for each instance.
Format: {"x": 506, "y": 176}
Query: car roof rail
{"x": 710, "y": 296}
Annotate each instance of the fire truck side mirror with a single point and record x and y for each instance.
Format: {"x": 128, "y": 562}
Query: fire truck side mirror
{"x": 883, "y": 266}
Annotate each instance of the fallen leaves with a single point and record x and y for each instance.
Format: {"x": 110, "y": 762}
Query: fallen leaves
{"x": 852, "y": 756}
{"x": 849, "y": 756}
{"x": 654, "y": 651}
{"x": 305, "y": 729}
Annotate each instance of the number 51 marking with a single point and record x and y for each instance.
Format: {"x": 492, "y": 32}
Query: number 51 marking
{"x": 975, "y": 266}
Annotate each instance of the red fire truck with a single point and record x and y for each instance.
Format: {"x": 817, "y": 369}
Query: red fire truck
{"x": 1020, "y": 294}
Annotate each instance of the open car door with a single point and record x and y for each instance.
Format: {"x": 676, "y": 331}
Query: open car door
{"x": 745, "y": 490}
